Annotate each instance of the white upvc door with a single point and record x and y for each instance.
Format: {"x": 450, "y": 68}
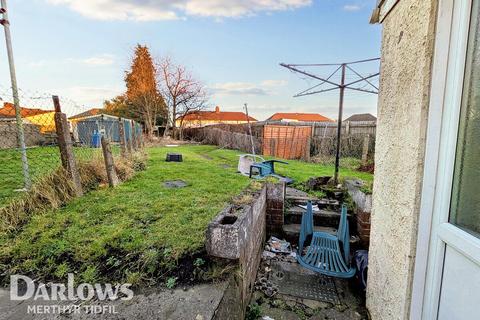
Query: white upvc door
{"x": 447, "y": 269}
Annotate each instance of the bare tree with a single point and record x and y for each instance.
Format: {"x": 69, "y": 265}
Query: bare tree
{"x": 183, "y": 94}
{"x": 197, "y": 103}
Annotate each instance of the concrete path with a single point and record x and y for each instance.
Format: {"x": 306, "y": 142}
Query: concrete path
{"x": 195, "y": 303}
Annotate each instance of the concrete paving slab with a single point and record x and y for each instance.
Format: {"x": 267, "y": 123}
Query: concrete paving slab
{"x": 197, "y": 303}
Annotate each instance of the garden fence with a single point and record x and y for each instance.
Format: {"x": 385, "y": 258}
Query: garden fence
{"x": 20, "y": 168}
{"x": 293, "y": 140}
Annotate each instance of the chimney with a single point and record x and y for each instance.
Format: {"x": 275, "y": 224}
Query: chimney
{"x": 217, "y": 109}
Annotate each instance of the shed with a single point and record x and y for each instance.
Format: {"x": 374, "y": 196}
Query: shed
{"x": 86, "y": 125}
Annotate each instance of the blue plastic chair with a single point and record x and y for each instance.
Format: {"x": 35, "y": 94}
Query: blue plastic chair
{"x": 327, "y": 254}
{"x": 267, "y": 168}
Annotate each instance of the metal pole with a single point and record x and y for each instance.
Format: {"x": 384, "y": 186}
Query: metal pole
{"x": 16, "y": 101}
{"x": 250, "y": 129}
{"x": 339, "y": 124}
{"x": 342, "y": 86}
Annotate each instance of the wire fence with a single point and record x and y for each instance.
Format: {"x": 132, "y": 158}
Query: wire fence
{"x": 19, "y": 169}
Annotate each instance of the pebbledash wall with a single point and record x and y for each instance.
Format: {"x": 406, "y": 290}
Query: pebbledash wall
{"x": 406, "y": 65}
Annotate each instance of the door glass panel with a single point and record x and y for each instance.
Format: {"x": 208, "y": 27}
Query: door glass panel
{"x": 465, "y": 210}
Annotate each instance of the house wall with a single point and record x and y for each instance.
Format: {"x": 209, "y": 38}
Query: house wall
{"x": 406, "y": 65}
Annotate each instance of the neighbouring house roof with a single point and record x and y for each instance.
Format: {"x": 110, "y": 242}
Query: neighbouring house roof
{"x": 362, "y": 117}
{"x": 88, "y": 113}
{"x": 216, "y": 115}
{"x": 306, "y": 117}
{"x": 8, "y": 111}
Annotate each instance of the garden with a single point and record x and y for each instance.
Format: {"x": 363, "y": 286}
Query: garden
{"x": 143, "y": 230}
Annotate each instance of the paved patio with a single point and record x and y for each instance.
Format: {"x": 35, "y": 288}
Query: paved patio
{"x": 314, "y": 297}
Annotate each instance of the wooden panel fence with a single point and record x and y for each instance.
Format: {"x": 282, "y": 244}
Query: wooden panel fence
{"x": 287, "y": 142}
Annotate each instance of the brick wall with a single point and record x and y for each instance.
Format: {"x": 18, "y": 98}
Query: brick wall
{"x": 275, "y": 208}
{"x": 363, "y": 227}
{"x": 363, "y": 208}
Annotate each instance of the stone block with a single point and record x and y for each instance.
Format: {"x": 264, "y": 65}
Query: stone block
{"x": 229, "y": 233}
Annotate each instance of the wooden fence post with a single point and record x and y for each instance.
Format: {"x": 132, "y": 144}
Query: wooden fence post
{"x": 123, "y": 141}
{"x": 139, "y": 135}
{"x": 366, "y": 145}
{"x": 134, "y": 136}
{"x": 308, "y": 145}
{"x": 109, "y": 165}
{"x": 129, "y": 138}
{"x": 141, "y": 141}
{"x": 66, "y": 147}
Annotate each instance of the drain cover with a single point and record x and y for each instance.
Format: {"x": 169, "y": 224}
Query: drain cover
{"x": 175, "y": 184}
{"x": 293, "y": 280}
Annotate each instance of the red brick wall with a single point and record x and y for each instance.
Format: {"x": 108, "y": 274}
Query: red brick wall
{"x": 275, "y": 208}
{"x": 363, "y": 227}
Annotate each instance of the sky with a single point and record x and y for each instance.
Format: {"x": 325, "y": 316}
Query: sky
{"x": 80, "y": 49}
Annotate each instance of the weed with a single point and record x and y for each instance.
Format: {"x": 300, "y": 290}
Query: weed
{"x": 253, "y": 312}
{"x": 133, "y": 278}
{"x": 171, "y": 282}
{"x": 256, "y": 186}
{"x": 89, "y": 275}
{"x": 243, "y": 199}
{"x": 199, "y": 262}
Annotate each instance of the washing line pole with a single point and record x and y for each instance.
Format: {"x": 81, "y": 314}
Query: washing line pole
{"x": 16, "y": 101}
{"x": 250, "y": 129}
{"x": 334, "y": 86}
{"x": 339, "y": 124}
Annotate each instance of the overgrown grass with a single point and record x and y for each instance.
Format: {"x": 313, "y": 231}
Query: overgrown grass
{"x": 42, "y": 161}
{"x": 138, "y": 231}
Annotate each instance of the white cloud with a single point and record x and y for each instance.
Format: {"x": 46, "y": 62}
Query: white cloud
{"x": 246, "y": 88}
{"x": 97, "y": 60}
{"x": 86, "y": 97}
{"x": 153, "y": 10}
{"x": 238, "y": 88}
{"x": 143, "y": 10}
{"x": 101, "y": 60}
{"x": 351, "y": 7}
{"x": 274, "y": 83}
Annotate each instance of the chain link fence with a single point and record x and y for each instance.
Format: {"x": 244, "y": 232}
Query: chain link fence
{"x": 20, "y": 169}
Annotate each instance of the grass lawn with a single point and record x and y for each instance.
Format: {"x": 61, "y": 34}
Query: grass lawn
{"x": 137, "y": 231}
{"x": 41, "y": 161}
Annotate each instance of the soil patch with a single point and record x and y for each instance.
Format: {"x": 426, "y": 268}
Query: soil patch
{"x": 175, "y": 184}
{"x": 370, "y": 168}
{"x": 206, "y": 156}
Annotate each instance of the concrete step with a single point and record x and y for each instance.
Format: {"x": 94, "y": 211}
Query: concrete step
{"x": 294, "y": 229}
{"x": 323, "y": 204}
{"x": 293, "y": 193}
{"x": 292, "y": 232}
{"x": 326, "y": 218}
